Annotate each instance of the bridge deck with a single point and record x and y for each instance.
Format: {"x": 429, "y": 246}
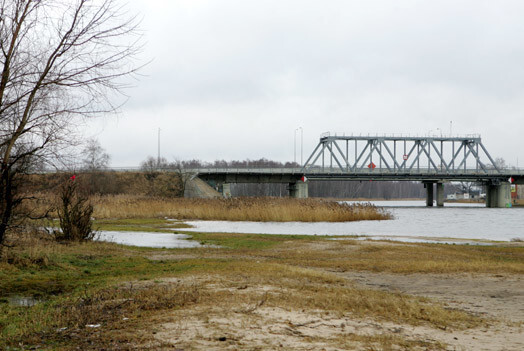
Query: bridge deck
{"x": 285, "y": 175}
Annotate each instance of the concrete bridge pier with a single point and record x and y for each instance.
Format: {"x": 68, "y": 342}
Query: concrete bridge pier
{"x": 498, "y": 195}
{"x": 225, "y": 189}
{"x": 429, "y": 194}
{"x": 298, "y": 190}
{"x": 440, "y": 194}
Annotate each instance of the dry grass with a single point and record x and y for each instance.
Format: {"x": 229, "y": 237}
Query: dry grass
{"x": 100, "y": 319}
{"x": 234, "y": 291}
{"x": 235, "y": 209}
{"x": 128, "y": 316}
{"x": 297, "y": 288}
{"x": 403, "y": 258}
{"x": 253, "y": 304}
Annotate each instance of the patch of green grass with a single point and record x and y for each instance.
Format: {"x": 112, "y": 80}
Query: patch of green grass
{"x": 96, "y": 264}
{"x": 135, "y": 221}
{"x": 248, "y": 241}
{"x": 131, "y": 228}
{"x": 153, "y": 225}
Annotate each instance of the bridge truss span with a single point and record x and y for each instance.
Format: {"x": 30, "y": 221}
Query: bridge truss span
{"x": 401, "y": 155}
{"x": 432, "y": 160}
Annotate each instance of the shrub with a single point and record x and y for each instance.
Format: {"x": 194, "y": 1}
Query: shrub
{"x": 74, "y": 212}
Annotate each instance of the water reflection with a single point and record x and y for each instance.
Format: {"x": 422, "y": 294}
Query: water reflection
{"x": 145, "y": 239}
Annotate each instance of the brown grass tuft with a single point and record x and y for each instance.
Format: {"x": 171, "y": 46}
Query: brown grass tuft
{"x": 236, "y": 209}
{"x": 101, "y": 317}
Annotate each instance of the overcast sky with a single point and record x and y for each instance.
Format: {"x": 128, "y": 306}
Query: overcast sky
{"x": 234, "y": 79}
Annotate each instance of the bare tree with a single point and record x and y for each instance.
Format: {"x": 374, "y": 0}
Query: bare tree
{"x": 153, "y": 164}
{"x": 59, "y": 59}
{"x": 464, "y": 187}
{"x": 500, "y": 163}
{"x": 95, "y": 156}
{"x": 181, "y": 169}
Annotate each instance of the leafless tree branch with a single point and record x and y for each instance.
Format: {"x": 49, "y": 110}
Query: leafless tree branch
{"x": 59, "y": 60}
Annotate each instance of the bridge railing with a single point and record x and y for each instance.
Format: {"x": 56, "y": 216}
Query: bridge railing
{"x": 270, "y": 170}
{"x": 326, "y": 170}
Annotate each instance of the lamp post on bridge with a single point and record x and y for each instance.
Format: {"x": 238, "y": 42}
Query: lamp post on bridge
{"x": 158, "y": 154}
{"x": 295, "y": 147}
{"x": 301, "y": 145}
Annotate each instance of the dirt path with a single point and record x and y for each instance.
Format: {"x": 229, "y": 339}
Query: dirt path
{"x": 240, "y": 325}
{"x": 498, "y": 297}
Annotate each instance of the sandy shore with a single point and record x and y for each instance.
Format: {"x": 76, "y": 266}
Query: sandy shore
{"x": 496, "y": 298}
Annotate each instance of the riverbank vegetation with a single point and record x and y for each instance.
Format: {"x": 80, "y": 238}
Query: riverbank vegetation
{"x": 237, "y": 209}
{"x": 93, "y": 295}
{"x": 234, "y": 209}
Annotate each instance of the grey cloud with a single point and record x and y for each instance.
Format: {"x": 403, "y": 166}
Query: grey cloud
{"x": 370, "y": 66}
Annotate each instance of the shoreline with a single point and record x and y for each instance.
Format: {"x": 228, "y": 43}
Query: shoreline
{"x": 251, "y": 291}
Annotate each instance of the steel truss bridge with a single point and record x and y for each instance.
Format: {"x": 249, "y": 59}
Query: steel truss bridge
{"x": 403, "y": 158}
{"x": 429, "y": 159}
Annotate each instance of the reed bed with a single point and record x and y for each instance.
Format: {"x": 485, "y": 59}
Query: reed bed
{"x": 235, "y": 209}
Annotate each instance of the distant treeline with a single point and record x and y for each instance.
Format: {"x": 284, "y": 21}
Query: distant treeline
{"x": 260, "y": 163}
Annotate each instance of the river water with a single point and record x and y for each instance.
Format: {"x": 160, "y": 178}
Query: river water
{"x": 148, "y": 239}
{"x": 412, "y": 220}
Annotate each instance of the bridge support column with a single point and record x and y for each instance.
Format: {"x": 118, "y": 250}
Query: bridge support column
{"x": 429, "y": 194}
{"x": 498, "y": 195}
{"x": 440, "y": 194}
{"x": 225, "y": 190}
{"x": 298, "y": 190}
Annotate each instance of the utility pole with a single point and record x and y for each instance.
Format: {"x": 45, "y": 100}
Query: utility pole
{"x": 301, "y": 146}
{"x": 295, "y": 148}
{"x": 158, "y": 155}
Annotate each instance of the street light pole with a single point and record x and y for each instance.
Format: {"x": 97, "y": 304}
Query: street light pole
{"x": 295, "y": 148}
{"x": 301, "y": 145}
{"x": 158, "y": 155}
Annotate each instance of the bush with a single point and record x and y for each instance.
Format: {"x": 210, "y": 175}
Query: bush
{"x": 74, "y": 213}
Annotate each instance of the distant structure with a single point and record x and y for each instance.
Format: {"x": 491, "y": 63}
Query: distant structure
{"x": 432, "y": 160}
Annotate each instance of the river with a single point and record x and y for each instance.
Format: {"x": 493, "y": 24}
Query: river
{"x": 412, "y": 220}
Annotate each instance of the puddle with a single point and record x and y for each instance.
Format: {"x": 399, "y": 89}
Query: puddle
{"x": 147, "y": 239}
{"x": 23, "y": 301}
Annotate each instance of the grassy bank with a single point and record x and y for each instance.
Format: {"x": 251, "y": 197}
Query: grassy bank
{"x": 101, "y": 295}
{"x": 262, "y": 209}
{"x": 235, "y": 209}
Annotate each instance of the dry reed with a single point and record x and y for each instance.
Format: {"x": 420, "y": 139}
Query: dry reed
{"x": 236, "y": 209}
